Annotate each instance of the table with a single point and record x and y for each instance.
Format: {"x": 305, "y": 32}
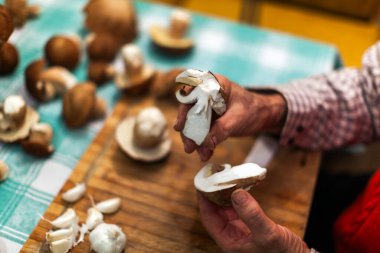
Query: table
{"x": 262, "y": 57}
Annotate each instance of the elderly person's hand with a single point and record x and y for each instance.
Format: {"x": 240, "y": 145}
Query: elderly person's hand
{"x": 247, "y": 113}
{"x": 245, "y": 227}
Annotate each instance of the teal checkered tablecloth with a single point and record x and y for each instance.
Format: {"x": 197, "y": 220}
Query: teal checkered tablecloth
{"x": 246, "y": 55}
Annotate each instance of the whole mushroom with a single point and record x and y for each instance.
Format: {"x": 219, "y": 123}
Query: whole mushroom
{"x": 9, "y": 58}
{"x": 99, "y": 72}
{"x": 101, "y": 47}
{"x": 164, "y": 83}
{"x": 63, "y": 51}
{"x": 116, "y": 18}
{"x": 38, "y": 143}
{"x": 6, "y": 25}
{"x": 80, "y": 104}
{"x": 21, "y": 11}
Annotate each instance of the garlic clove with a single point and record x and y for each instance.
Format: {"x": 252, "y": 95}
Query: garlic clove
{"x": 109, "y": 206}
{"x": 94, "y": 218}
{"x": 107, "y": 238}
{"x": 75, "y": 193}
{"x": 61, "y": 246}
{"x": 67, "y": 219}
{"x": 4, "y": 171}
{"x": 60, "y": 234}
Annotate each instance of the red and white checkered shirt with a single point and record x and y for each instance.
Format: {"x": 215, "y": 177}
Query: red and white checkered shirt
{"x": 335, "y": 109}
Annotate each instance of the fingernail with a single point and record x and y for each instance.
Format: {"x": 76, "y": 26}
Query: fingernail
{"x": 239, "y": 197}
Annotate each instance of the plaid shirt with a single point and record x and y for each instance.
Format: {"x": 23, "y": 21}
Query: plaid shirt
{"x": 335, "y": 109}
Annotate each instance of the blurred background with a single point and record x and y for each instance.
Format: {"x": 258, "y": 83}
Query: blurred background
{"x": 351, "y": 25}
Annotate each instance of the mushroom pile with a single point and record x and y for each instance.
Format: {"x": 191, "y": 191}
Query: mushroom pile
{"x": 173, "y": 39}
{"x": 21, "y": 11}
{"x": 146, "y": 136}
{"x": 217, "y": 182}
{"x": 9, "y": 57}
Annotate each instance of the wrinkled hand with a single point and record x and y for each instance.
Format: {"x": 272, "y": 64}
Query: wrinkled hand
{"x": 247, "y": 113}
{"x": 244, "y": 228}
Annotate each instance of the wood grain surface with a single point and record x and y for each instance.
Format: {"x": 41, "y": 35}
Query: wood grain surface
{"x": 159, "y": 211}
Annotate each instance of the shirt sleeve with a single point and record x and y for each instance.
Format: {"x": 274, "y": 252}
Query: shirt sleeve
{"x": 336, "y": 109}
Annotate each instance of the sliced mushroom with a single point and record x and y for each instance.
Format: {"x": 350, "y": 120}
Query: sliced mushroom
{"x": 172, "y": 39}
{"x": 116, "y": 18}
{"x": 39, "y": 140}
{"x": 80, "y": 104}
{"x": 16, "y": 119}
{"x": 218, "y": 182}
{"x": 137, "y": 76}
{"x": 6, "y": 25}
{"x": 9, "y": 58}
{"x": 145, "y": 137}
{"x": 207, "y": 96}
{"x": 63, "y": 51}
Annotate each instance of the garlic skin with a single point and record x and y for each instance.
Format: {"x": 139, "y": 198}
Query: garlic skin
{"x": 108, "y": 238}
{"x": 75, "y": 193}
{"x": 109, "y": 206}
{"x": 94, "y": 218}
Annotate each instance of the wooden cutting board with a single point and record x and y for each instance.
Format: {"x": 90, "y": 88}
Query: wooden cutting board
{"x": 159, "y": 211}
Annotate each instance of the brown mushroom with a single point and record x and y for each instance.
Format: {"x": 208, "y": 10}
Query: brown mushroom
{"x": 164, "y": 83}
{"x": 32, "y": 76}
{"x": 102, "y": 47}
{"x": 117, "y": 18}
{"x": 21, "y": 11}
{"x": 38, "y": 143}
{"x": 99, "y": 72}
{"x": 172, "y": 39}
{"x": 80, "y": 104}
{"x": 8, "y": 58}
{"x": 63, "y": 51}
{"x": 6, "y": 25}
{"x": 146, "y": 136}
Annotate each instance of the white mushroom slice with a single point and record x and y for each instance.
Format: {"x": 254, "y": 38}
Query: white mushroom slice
{"x": 67, "y": 219}
{"x": 206, "y": 96}
{"x": 60, "y": 234}
{"x": 109, "y": 206}
{"x": 61, "y": 246}
{"x": 217, "y": 183}
{"x": 94, "y": 218}
{"x": 74, "y": 193}
{"x": 107, "y": 238}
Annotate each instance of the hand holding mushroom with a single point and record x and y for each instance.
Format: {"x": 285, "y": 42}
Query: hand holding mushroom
{"x": 247, "y": 113}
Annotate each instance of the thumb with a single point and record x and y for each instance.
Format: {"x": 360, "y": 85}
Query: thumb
{"x": 251, "y": 213}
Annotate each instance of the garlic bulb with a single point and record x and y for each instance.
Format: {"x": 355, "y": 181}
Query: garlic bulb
{"x": 74, "y": 193}
{"x": 107, "y": 238}
{"x": 109, "y": 206}
{"x": 94, "y": 218}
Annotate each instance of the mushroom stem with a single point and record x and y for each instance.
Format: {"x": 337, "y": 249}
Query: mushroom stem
{"x": 133, "y": 60}
{"x": 179, "y": 23}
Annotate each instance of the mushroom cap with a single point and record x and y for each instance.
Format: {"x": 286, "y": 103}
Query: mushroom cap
{"x": 8, "y": 58}
{"x": 218, "y": 182}
{"x": 6, "y": 25}
{"x": 62, "y": 51}
{"x": 38, "y": 141}
{"x": 78, "y": 104}
{"x": 164, "y": 84}
{"x": 32, "y": 75}
{"x": 102, "y": 47}
{"x": 19, "y": 11}
{"x": 31, "y": 118}
{"x": 98, "y": 72}
{"x": 136, "y": 84}
{"x": 163, "y": 40}
{"x": 124, "y": 137}
{"x": 116, "y": 17}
